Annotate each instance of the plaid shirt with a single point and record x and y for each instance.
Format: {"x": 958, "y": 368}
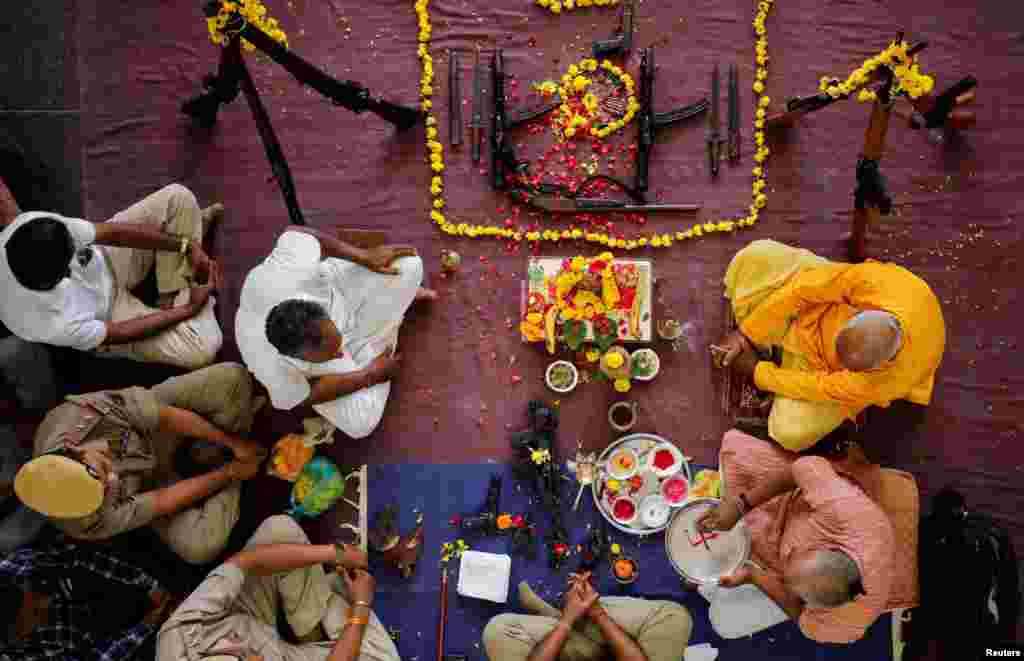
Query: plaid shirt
{"x": 68, "y": 635}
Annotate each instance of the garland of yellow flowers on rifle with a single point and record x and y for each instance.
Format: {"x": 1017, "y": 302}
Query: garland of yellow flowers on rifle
{"x": 253, "y": 12}
{"x": 907, "y": 76}
{"x": 435, "y": 152}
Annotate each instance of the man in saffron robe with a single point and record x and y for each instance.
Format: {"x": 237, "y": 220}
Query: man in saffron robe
{"x": 852, "y": 336}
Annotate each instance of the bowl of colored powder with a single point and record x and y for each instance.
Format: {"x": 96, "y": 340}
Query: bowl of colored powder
{"x": 623, "y": 464}
{"x": 674, "y": 490}
{"x": 561, "y": 376}
{"x": 665, "y": 460}
{"x": 625, "y": 570}
{"x": 625, "y": 510}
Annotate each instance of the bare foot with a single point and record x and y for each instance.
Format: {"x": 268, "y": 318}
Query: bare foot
{"x": 423, "y": 294}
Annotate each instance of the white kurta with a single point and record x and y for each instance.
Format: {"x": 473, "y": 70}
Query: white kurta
{"x": 366, "y": 307}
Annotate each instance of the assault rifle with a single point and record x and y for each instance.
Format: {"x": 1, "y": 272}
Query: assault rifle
{"x": 650, "y": 121}
{"x": 504, "y": 165}
{"x": 624, "y": 41}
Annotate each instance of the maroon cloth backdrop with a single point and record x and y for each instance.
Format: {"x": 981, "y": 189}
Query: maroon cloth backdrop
{"x": 956, "y": 222}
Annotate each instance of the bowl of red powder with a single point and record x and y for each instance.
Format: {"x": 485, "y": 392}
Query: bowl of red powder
{"x": 665, "y": 460}
{"x": 674, "y": 490}
{"x": 624, "y": 510}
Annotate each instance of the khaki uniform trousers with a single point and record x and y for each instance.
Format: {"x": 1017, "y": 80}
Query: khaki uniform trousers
{"x": 661, "y": 629}
{"x": 191, "y": 344}
{"x": 308, "y": 599}
{"x": 222, "y": 394}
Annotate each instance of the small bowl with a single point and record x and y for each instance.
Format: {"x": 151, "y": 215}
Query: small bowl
{"x": 670, "y": 490}
{"x": 677, "y": 460}
{"x": 572, "y": 368}
{"x": 646, "y": 352}
{"x": 633, "y": 574}
{"x": 654, "y": 511}
{"x": 630, "y": 408}
{"x": 669, "y": 329}
{"x": 620, "y": 473}
{"x": 625, "y": 521}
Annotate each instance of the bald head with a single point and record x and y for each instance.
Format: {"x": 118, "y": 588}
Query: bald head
{"x": 868, "y": 340}
{"x": 823, "y": 579}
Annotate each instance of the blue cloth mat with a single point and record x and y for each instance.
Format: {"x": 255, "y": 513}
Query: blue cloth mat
{"x": 440, "y": 491}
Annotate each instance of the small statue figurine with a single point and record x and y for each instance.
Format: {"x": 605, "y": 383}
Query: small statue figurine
{"x": 584, "y": 466}
{"x": 450, "y": 260}
{"x": 399, "y": 551}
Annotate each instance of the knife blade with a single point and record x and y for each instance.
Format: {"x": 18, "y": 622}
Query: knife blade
{"x": 454, "y": 99}
{"x": 476, "y": 119}
{"x": 734, "y": 114}
{"x": 715, "y": 143}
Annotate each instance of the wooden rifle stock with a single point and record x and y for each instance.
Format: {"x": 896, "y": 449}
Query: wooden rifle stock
{"x": 866, "y": 215}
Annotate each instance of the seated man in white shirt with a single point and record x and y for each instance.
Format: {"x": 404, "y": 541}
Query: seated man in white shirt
{"x": 68, "y": 281}
{"x": 318, "y": 323}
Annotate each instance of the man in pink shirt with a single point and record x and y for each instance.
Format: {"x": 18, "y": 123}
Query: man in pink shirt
{"x": 823, "y": 548}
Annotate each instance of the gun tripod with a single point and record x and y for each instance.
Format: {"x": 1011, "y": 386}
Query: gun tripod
{"x": 233, "y": 75}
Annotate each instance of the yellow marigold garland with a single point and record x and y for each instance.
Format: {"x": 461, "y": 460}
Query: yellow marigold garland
{"x": 907, "y": 76}
{"x": 556, "y": 6}
{"x": 253, "y": 12}
{"x": 576, "y": 81}
{"x": 664, "y": 240}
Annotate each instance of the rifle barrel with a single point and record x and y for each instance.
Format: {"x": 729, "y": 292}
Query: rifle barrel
{"x": 443, "y": 620}
{"x": 590, "y": 205}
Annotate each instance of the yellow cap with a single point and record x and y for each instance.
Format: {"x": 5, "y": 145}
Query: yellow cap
{"x": 58, "y": 487}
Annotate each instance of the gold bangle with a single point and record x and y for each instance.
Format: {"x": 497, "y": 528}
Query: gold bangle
{"x": 361, "y": 621}
{"x": 364, "y": 604}
{"x": 183, "y": 248}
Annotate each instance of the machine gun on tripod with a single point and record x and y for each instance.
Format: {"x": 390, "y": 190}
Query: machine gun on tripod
{"x": 233, "y": 75}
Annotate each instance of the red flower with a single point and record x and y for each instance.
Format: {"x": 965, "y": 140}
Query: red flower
{"x": 560, "y": 549}
{"x": 518, "y": 521}
{"x": 455, "y": 521}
